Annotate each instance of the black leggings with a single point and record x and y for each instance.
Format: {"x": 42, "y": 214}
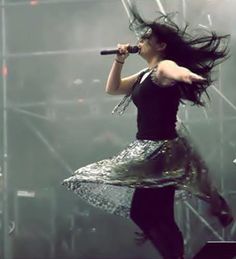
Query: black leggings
{"x": 153, "y": 211}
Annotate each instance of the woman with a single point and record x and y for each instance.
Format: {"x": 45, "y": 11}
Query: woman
{"x": 161, "y": 159}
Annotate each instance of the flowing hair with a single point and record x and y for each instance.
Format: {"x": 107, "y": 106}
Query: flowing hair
{"x": 199, "y": 53}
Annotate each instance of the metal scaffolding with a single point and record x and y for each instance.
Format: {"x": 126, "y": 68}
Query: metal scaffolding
{"x": 188, "y": 209}
{"x": 20, "y": 108}
{"x": 5, "y": 200}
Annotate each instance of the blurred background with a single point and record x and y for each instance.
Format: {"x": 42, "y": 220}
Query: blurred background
{"x": 55, "y": 117}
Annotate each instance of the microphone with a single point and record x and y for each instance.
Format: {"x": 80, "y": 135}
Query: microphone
{"x": 131, "y": 49}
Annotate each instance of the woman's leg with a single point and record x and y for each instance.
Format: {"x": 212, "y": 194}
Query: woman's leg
{"x": 153, "y": 211}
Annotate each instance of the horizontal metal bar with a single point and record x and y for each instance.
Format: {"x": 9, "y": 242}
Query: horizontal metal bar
{"x": 43, "y": 2}
{"x": 51, "y": 53}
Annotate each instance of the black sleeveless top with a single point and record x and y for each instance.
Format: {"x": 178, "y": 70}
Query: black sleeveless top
{"x": 157, "y": 110}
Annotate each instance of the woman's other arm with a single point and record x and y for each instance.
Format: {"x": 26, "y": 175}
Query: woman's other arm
{"x": 168, "y": 71}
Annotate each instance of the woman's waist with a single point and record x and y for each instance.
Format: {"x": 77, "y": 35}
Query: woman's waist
{"x": 157, "y": 133}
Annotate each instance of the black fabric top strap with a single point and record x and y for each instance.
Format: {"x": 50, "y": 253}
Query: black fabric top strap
{"x": 125, "y": 101}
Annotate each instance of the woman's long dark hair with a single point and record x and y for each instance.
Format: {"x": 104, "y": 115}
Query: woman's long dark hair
{"x": 199, "y": 53}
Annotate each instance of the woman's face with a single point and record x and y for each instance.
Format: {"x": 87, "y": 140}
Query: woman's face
{"x": 149, "y": 46}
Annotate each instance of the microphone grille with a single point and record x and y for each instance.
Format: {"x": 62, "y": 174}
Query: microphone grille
{"x": 133, "y": 49}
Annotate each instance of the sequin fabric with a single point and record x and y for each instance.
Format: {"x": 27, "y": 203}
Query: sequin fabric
{"x": 109, "y": 184}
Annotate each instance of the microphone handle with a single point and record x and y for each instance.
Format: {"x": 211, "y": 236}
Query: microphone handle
{"x": 131, "y": 49}
{"x": 109, "y": 52}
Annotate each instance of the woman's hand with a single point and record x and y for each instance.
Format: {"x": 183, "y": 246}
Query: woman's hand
{"x": 186, "y": 76}
{"x": 123, "y": 52}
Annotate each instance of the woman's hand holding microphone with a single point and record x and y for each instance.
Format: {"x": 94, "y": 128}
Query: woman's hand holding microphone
{"x": 123, "y": 53}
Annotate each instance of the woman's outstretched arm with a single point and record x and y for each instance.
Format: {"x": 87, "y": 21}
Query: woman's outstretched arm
{"x": 168, "y": 71}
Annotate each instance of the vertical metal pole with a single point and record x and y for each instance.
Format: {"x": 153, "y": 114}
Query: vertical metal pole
{"x": 53, "y": 222}
{"x": 126, "y": 7}
{"x": 6, "y": 239}
{"x": 160, "y": 6}
{"x": 184, "y": 9}
{"x": 182, "y": 21}
{"x": 188, "y": 231}
{"x": 221, "y": 114}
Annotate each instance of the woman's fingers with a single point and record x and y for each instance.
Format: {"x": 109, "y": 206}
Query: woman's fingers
{"x": 123, "y": 51}
{"x": 192, "y": 77}
{"x": 123, "y": 48}
{"x": 196, "y": 77}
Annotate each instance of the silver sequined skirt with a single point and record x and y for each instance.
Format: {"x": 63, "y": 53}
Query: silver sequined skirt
{"x": 109, "y": 184}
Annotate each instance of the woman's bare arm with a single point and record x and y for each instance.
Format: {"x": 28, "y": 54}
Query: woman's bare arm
{"x": 168, "y": 71}
{"x": 115, "y": 85}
